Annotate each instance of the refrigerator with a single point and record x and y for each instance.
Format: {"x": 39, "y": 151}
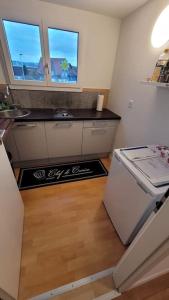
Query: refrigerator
{"x": 130, "y": 197}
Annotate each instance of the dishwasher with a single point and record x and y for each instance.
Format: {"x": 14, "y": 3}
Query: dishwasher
{"x": 129, "y": 198}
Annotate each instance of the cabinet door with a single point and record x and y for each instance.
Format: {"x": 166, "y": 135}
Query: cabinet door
{"x": 98, "y": 140}
{"x": 11, "y": 228}
{"x": 30, "y": 140}
{"x": 64, "y": 138}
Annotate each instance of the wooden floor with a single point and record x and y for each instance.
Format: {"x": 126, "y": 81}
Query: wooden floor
{"x": 67, "y": 235}
{"x": 157, "y": 289}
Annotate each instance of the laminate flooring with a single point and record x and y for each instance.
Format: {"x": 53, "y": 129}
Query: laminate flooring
{"x": 67, "y": 235}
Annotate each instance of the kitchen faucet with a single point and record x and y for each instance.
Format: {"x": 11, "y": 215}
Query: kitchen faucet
{"x": 5, "y": 103}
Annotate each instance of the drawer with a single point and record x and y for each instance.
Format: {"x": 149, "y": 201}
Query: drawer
{"x": 98, "y": 140}
{"x": 100, "y": 123}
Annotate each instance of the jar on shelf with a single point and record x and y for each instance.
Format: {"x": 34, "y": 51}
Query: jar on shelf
{"x": 164, "y": 74}
{"x": 160, "y": 68}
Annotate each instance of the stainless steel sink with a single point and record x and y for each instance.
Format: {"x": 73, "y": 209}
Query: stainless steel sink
{"x": 14, "y": 113}
{"x": 63, "y": 114}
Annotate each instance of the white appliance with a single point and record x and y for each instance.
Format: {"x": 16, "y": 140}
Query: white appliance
{"x": 130, "y": 197}
{"x": 149, "y": 160}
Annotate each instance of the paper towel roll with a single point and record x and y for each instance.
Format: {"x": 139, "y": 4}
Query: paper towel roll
{"x": 100, "y": 100}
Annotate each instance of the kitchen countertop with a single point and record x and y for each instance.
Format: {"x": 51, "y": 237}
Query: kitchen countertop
{"x": 77, "y": 115}
{"x": 39, "y": 114}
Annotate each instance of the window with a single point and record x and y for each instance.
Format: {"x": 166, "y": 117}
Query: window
{"x": 63, "y": 52}
{"x": 25, "y": 51}
{"x": 32, "y": 63}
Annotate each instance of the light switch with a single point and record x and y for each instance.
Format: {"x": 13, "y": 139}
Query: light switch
{"x": 130, "y": 104}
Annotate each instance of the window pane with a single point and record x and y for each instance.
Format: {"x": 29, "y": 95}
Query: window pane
{"x": 63, "y": 50}
{"x": 25, "y": 50}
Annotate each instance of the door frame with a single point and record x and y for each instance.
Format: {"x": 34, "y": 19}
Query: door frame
{"x": 150, "y": 246}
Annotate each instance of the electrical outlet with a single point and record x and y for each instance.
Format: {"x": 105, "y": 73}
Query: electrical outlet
{"x": 130, "y": 104}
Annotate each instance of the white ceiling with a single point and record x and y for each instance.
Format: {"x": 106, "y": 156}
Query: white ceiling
{"x": 114, "y": 8}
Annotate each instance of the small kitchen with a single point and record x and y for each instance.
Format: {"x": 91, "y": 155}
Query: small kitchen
{"x": 80, "y": 128}
{"x": 46, "y": 137}
{"x": 83, "y": 142}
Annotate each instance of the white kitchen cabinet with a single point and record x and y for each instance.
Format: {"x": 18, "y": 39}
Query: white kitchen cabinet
{"x": 11, "y": 228}
{"x": 30, "y": 140}
{"x": 51, "y": 139}
{"x": 64, "y": 138}
{"x": 98, "y": 137}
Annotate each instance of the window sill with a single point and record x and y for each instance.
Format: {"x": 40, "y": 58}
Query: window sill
{"x": 46, "y": 88}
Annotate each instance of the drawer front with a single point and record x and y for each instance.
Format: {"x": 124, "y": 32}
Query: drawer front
{"x": 30, "y": 140}
{"x": 64, "y": 138}
{"x": 98, "y": 140}
{"x": 100, "y": 123}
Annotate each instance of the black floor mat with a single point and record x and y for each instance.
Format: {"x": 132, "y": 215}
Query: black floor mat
{"x": 61, "y": 173}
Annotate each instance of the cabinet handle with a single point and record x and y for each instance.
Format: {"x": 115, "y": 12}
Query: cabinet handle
{"x": 25, "y": 125}
{"x": 99, "y": 123}
{"x": 58, "y": 125}
{"x": 98, "y": 131}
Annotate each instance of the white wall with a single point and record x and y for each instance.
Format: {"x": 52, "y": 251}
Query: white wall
{"x": 98, "y": 35}
{"x": 11, "y": 228}
{"x": 148, "y": 121}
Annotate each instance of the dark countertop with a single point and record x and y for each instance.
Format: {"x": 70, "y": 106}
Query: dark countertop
{"x": 77, "y": 115}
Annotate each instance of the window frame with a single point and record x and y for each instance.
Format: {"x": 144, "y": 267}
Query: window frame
{"x": 50, "y": 82}
{"x": 8, "y": 60}
{"x": 47, "y": 83}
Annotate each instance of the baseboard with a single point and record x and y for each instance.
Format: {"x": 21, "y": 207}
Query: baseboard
{"x": 73, "y": 285}
{"x": 109, "y": 296}
{"x": 57, "y": 160}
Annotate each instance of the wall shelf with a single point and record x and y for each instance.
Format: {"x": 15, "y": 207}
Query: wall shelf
{"x": 156, "y": 84}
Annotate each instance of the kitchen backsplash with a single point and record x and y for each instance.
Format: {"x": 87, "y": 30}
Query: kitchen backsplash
{"x": 53, "y": 99}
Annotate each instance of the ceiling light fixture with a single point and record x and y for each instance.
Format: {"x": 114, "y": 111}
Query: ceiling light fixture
{"x": 160, "y": 34}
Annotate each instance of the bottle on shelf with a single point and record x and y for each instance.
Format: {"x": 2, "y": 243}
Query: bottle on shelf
{"x": 160, "y": 71}
{"x": 164, "y": 74}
